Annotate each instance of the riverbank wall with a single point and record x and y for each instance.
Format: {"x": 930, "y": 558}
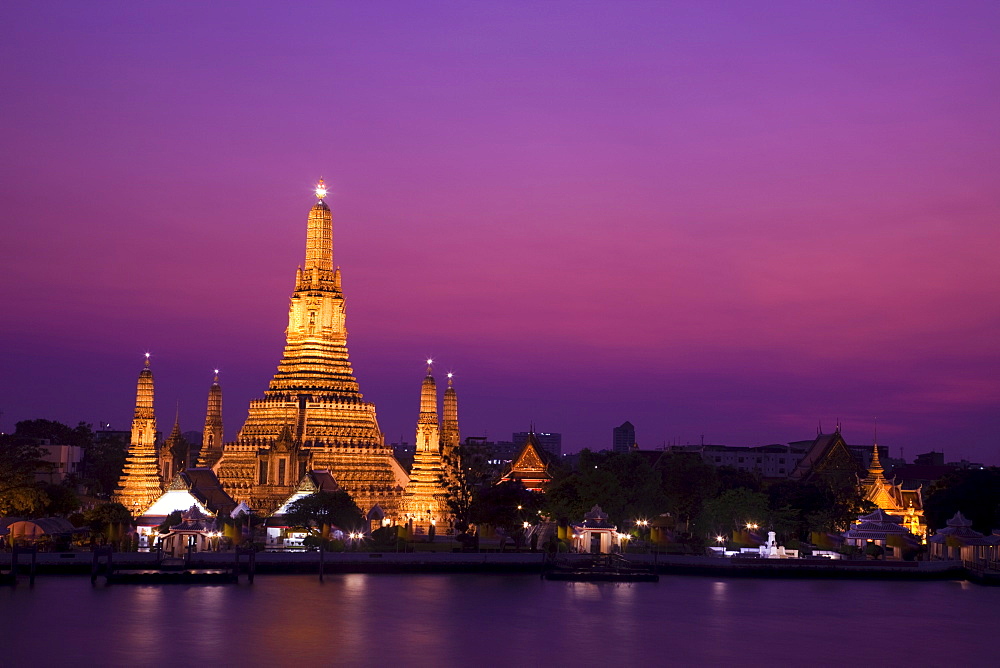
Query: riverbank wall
{"x": 267, "y": 563}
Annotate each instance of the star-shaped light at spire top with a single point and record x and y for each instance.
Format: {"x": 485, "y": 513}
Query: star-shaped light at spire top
{"x": 320, "y": 190}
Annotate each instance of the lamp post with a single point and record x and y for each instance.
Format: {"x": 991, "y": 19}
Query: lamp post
{"x": 643, "y": 526}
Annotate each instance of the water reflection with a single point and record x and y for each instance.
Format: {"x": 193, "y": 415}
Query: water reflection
{"x": 489, "y": 620}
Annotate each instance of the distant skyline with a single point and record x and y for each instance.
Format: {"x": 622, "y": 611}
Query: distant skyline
{"x": 713, "y": 219}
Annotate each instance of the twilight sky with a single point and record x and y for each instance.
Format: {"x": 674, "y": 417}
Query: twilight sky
{"x": 724, "y": 219}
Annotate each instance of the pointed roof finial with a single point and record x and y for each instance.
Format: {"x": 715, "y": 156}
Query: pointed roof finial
{"x": 147, "y": 360}
{"x": 216, "y": 379}
{"x": 321, "y": 190}
{"x": 429, "y": 363}
{"x": 450, "y": 376}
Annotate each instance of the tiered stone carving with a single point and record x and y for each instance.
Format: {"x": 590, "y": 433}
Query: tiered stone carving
{"x": 140, "y": 484}
{"x": 313, "y": 415}
{"x": 425, "y": 503}
{"x": 212, "y": 435}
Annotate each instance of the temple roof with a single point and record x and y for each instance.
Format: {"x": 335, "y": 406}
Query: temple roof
{"x": 318, "y": 480}
{"x": 960, "y": 528}
{"x": 827, "y": 452}
{"x": 204, "y": 484}
{"x": 531, "y": 466}
{"x": 880, "y": 515}
{"x": 596, "y": 519}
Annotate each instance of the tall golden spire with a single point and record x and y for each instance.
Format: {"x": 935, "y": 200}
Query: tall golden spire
{"x": 428, "y": 435}
{"x": 449, "y": 425}
{"x": 212, "y": 435}
{"x": 140, "y": 483}
{"x": 319, "y": 235}
{"x": 425, "y": 498}
{"x": 313, "y": 399}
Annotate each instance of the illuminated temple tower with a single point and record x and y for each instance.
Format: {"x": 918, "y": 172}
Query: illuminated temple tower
{"x": 426, "y": 499}
{"x": 175, "y": 453}
{"x": 140, "y": 483}
{"x": 312, "y": 415}
{"x": 211, "y": 436}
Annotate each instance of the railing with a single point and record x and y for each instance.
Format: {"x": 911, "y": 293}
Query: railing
{"x": 981, "y": 566}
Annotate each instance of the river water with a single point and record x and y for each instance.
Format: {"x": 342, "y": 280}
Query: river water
{"x": 498, "y": 620}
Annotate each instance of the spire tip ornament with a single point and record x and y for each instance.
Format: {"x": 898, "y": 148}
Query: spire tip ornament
{"x": 321, "y": 190}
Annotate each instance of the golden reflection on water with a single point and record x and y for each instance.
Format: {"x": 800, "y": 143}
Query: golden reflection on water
{"x": 444, "y": 620}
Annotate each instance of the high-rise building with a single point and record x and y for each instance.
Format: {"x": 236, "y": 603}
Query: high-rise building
{"x": 313, "y": 415}
{"x": 140, "y": 483}
{"x": 212, "y": 436}
{"x": 550, "y": 442}
{"x": 425, "y": 501}
{"x": 623, "y": 439}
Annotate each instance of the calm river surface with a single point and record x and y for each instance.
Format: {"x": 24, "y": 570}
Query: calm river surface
{"x": 493, "y": 620}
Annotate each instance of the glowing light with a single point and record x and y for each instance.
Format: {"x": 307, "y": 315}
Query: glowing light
{"x": 216, "y": 371}
{"x": 147, "y": 355}
{"x": 429, "y": 361}
{"x": 526, "y": 525}
{"x": 320, "y": 190}
{"x": 721, "y": 539}
{"x": 450, "y": 374}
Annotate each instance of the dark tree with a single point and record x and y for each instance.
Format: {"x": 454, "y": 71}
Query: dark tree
{"x": 505, "y": 506}
{"x": 111, "y": 520}
{"x": 62, "y": 500}
{"x": 569, "y": 497}
{"x": 20, "y": 493}
{"x": 103, "y": 463}
{"x": 641, "y": 486}
{"x": 688, "y": 483}
{"x": 733, "y": 509}
{"x": 734, "y": 478}
{"x": 974, "y": 492}
{"x": 321, "y": 511}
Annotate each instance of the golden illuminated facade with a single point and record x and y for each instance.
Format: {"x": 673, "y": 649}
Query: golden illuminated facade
{"x": 530, "y": 467}
{"x": 140, "y": 484}
{"x": 313, "y": 415}
{"x": 892, "y": 498}
{"x": 425, "y": 503}
{"x": 211, "y": 436}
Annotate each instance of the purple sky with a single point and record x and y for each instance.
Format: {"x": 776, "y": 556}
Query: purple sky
{"x": 705, "y": 218}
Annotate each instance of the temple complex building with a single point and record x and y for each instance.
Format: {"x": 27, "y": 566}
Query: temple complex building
{"x": 313, "y": 415}
{"x": 425, "y": 502}
{"x": 530, "y": 467}
{"x": 830, "y": 458}
{"x": 175, "y": 453}
{"x": 212, "y": 435}
{"x": 908, "y": 504}
{"x": 140, "y": 482}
